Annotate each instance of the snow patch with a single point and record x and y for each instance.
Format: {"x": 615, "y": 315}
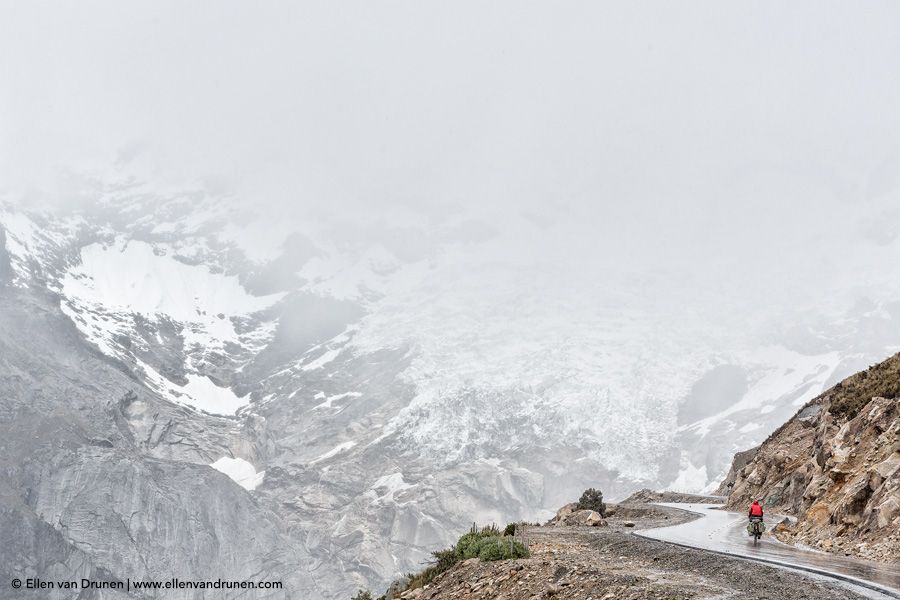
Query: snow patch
{"x": 135, "y": 278}
{"x": 113, "y": 283}
{"x": 205, "y": 395}
{"x": 242, "y": 472}
{"x": 691, "y": 479}
{"x": 330, "y": 399}
{"x": 806, "y": 379}
{"x": 334, "y": 451}
{"x": 322, "y": 360}
{"x": 28, "y": 243}
{"x": 200, "y": 392}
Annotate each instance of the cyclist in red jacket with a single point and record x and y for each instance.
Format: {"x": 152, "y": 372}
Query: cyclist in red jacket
{"x": 755, "y": 527}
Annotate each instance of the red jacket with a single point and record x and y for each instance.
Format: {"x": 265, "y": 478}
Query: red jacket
{"x": 756, "y": 510}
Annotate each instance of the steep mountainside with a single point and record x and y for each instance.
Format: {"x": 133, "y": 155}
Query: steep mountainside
{"x": 99, "y": 477}
{"x": 836, "y": 466}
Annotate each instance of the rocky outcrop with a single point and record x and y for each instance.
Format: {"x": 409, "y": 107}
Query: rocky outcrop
{"x": 85, "y": 492}
{"x": 835, "y": 466}
{"x": 740, "y": 461}
{"x": 5, "y": 265}
{"x": 570, "y": 515}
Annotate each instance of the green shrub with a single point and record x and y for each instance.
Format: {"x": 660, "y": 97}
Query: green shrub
{"x": 491, "y": 549}
{"x": 501, "y": 548}
{"x": 469, "y": 545}
{"x": 510, "y": 529}
{"x": 592, "y": 499}
{"x": 489, "y": 546}
{"x": 486, "y": 544}
{"x": 443, "y": 561}
{"x": 362, "y": 595}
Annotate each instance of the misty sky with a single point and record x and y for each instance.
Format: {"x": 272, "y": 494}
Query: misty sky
{"x": 739, "y": 137}
{"x": 594, "y": 202}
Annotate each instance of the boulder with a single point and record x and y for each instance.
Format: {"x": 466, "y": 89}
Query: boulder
{"x": 585, "y": 518}
{"x": 594, "y": 520}
{"x": 566, "y": 510}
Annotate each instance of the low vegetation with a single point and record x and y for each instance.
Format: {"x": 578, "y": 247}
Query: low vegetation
{"x": 487, "y": 544}
{"x": 881, "y": 380}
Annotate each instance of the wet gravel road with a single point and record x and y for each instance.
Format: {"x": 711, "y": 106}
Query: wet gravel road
{"x": 725, "y": 532}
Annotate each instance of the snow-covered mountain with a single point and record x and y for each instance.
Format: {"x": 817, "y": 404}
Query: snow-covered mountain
{"x": 373, "y": 394}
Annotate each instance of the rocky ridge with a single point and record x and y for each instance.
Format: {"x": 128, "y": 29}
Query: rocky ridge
{"x": 836, "y": 467}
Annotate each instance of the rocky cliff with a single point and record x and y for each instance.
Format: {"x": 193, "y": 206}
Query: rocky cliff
{"x": 85, "y": 494}
{"x": 836, "y": 467}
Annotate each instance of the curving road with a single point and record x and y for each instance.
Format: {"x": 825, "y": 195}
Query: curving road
{"x": 725, "y": 532}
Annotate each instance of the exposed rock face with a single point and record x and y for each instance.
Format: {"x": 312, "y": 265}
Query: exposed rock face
{"x": 101, "y": 479}
{"x": 836, "y": 466}
{"x": 5, "y": 266}
{"x": 740, "y": 461}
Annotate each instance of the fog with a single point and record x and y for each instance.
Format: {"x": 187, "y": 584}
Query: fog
{"x": 758, "y": 142}
{"x": 563, "y": 217}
